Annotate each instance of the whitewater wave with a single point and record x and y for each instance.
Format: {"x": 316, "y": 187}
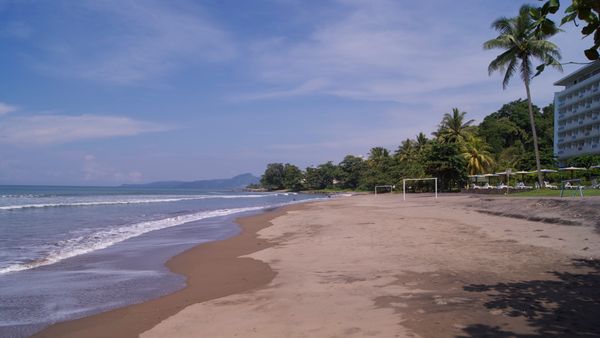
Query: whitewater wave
{"x": 131, "y": 201}
{"x": 105, "y": 238}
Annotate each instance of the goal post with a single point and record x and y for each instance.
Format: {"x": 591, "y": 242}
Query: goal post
{"x": 386, "y": 186}
{"x": 418, "y": 179}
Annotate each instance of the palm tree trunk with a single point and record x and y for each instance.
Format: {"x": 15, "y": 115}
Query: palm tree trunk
{"x": 534, "y": 133}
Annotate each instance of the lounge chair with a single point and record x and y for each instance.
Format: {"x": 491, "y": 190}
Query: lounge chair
{"x": 549, "y": 186}
{"x": 475, "y": 186}
{"x": 487, "y": 186}
{"x": 595, "y": 184}
{"x": 568, "y": 185}
{"x": 502, "y": 186}
{"x": 522, "y": 185}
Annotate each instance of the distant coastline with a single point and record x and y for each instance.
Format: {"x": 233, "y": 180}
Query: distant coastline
{"x": 236, "y": 182}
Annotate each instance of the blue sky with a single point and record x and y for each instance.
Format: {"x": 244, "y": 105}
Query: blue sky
{"x": 104, "y": 92}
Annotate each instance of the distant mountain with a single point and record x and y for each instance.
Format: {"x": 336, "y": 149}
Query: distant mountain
{"x": 237, "y": 182}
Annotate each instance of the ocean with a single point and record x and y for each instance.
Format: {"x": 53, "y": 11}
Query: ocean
{"x": 68, "y": 252}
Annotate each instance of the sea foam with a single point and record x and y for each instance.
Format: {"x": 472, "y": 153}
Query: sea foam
{"x": 102, "y": 239}
{"x": 128, "y": 201}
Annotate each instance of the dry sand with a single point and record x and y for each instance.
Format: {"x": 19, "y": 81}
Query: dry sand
{"x": 378, "y": 266}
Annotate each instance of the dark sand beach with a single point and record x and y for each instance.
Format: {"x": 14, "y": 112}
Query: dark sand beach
{"x": 379, "y": 266}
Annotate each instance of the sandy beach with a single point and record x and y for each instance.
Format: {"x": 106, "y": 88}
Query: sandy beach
{"x": 457, "y": 266}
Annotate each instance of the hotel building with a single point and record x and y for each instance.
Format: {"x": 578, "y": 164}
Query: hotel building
{"x": 577, "y": 113}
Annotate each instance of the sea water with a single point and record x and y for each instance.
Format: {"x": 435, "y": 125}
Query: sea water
{"x": 68, "y": 252}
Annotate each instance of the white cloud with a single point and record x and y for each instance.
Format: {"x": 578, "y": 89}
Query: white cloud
{"x": 55, "y": 129}
{"x": 6, "y": 108}
{"x": 150, "y": 39}
{"x": 383, "y": 50}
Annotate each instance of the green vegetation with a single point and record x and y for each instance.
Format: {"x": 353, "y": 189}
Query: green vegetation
{"x": 504, "y": 139}
{"x": 459, "y": 148}
{"x": 586, "y": 11}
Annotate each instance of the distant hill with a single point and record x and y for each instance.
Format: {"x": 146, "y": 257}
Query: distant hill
{"x": 237, "y": 182}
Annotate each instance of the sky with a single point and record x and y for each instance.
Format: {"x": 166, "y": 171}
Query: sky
{"x": 105, "y": 92}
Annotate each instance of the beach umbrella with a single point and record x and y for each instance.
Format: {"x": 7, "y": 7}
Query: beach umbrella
{"x": 572, "y": 170}
{"x": 489, "y": 176}
{"x": 595, "y": 167}
{"x": 523, "y": 173}
{"x": 544, "y": 172}
{"x": 506, "y": 173}
{"x": 475, "y": 177}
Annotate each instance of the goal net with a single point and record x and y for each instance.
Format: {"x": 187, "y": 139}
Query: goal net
{"x": 384, "y": 188}
{"x": 419, "y": 185}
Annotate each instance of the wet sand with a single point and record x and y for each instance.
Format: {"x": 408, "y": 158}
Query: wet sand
{"x": 213, "y": 270}
{"x": 379, "y": 266}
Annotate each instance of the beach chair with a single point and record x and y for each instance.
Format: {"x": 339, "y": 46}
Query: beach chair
{"x": 487, "y": 186}
{"x": 522, "y": 185}
{"x": 595, "y": 184}
{"x": 475, "y": 186}
{"x": 549, "y": 186}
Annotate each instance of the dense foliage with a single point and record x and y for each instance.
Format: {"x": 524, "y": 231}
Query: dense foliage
{"x": 458, "y": 148}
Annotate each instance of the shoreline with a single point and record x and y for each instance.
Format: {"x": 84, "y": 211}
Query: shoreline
{"x": 212, "y": 270}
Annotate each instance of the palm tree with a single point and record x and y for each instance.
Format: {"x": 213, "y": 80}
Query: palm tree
{"x": 421, "y": 141}
{"x": 453, "y": 128}
{"x": 476, "y": 153}
{"x": 378, "y": 156}
{"x": 521, "y": 44}
{"x": 406, "y": 151}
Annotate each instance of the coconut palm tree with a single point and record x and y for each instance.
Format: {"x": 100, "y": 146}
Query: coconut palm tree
{"x": 421, "y": 141}
{"x": 521, "y": 43}
{"x": 453, "y": 128}
{"x": 378, "y": 156}
{"x": 406, "y": 150}
{"x": 476, "y": 153}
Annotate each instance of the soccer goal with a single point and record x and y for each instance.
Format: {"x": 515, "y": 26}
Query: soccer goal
{"x": 416, "y": 180}
{"x": 388, "y": 188}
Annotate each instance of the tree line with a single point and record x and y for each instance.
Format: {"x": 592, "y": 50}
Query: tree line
{"x": 456, "y": 149}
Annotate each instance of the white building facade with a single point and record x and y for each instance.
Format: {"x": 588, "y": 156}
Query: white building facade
{"x": 577, "y": 113}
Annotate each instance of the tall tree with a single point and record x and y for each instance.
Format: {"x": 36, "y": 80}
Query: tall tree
{"x": 421, "y": 141}
{"x": 351, "y": 171}
{"x": 406, "y": 151}
{"x": 378, "y": 156}
{"x": 522, "y": 43}
{"x": 273, "y": 177}
{"x": 476, "y": 153}
{"x": 454, "y": 128}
